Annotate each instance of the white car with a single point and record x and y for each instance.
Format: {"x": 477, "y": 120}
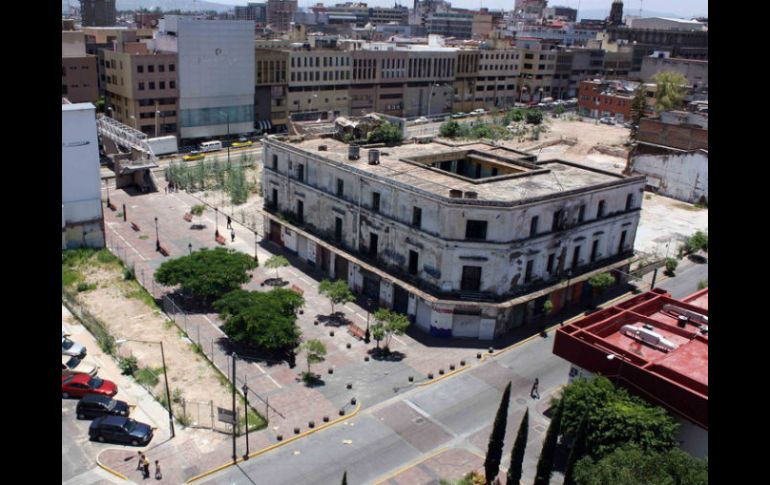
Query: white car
{"x": 479, "y": 111}
{"x": 421, "y": 120}
{"x": 68, "y": 347}
{"x": 73, "y": 365}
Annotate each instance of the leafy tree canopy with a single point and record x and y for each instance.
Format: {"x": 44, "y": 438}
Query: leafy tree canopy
{"x": 207, "y": 273}
{"x": 631, "y": 465}
{"x": 388, "y": 324}
{"x": 385, "y": 133}
{"x": 600, "y": 282}
{"x": 670, "y": 91}
{"x": 534, "y": 116}
{"x": 336, "y": 291}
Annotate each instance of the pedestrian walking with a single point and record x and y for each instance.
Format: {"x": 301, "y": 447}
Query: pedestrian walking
{"x": 146, "y": 468}
{"x": 229, "y": 222}
{"x": 535, "y": 393}
{"x": 140, "y": 460}
{"x": 158, "y": 474}
{"x": 232, "y": 235}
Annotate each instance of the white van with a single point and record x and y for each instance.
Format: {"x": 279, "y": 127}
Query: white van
{"x": 211, "y": 146}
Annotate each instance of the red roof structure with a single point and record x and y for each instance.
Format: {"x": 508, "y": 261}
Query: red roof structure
{"x": 660, "y": 346}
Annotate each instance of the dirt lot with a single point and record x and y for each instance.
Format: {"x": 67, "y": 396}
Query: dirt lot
{"x": 128, "y": 312}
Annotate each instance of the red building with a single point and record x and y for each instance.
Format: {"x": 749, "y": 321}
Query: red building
{"x": 654, "y": 346}
{"x": 599, "y": 99}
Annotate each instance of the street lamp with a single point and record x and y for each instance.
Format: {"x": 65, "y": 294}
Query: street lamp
{"x": 189, "y": 247}
{"x": 165, "y": 377}
{"x": 107, "y": 185}
{"x": 235, "y": 416}
{"x": 157, "y": 236}
{"x": 216, "y": 222}
{"x": 367, "y": 335}
{"x": 245, "y": 389}
{"x": 256, "y": 258}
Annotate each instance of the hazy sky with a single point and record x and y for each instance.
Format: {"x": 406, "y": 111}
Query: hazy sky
{"x": 684, "y": 8}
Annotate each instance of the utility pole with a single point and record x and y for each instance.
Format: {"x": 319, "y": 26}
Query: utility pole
{"x": 235, "y": 416}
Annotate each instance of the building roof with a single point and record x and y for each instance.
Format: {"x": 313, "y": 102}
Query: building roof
{"x": 77, "y": 106}
{"x": 521, "y": 180}
{"x": 675, "y": 377}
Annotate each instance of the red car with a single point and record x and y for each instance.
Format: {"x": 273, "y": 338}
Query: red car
{"x": 78, "y": 385}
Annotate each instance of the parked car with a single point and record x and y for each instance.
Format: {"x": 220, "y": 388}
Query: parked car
{"x": 68, "y": 347}
{"x": 79, "y": 385}
{"x": 73, "y": 365}
{"x": 95, "y": 406}
{"x": 606, "y": 120}
{"x": 193, "y": 155}
{"x": 458, "y": 115}
{"x": 421, "y": 120}
{"x": 478, "y": 112}
{"x": 242, "y": 142}
{"x": 119, "y": 429}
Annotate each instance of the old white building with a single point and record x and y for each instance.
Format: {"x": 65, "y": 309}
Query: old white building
{"x": 82, "y": 221}
{"x": 469, "y": 240}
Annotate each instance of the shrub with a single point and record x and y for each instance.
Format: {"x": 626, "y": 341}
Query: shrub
{"x": 128, "y": 366}
{"x": 147, "y": 377}
{"x": 703, "y": 284}
{"x": 671, "y": 264}
{"x": 83, "y": 286}
{"x": 128, "y": 273}
{"x": 534, "y": 116}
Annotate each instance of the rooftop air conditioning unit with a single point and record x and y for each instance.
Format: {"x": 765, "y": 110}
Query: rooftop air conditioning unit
{"x": 649, "y": 337}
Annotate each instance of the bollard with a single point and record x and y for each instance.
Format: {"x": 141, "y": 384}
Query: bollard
{"x": 491, "y": 349}
{"x": 350, "y": 385}
{"x": 331, "y": 333}
{"x": 311, "y": 424}
{"x": 331, "y": 371}
{"x": 441, "y": 371}
{"x": 462, "y": 362}
{"x": 430, "y": 375}
{"x": 342, "y": 412}
{"x": 296, "y": 430}
{"x": 279, "y": 437}
{"x": 326, "y": 419}
{"x": 366, "y": 358}
{"x": 348, "y": 345}
{"x": 478, "y": 355}
{"x": 353, "y": 401}
{"x": 315, "y": 323}
{"x": 411, "y": 379}
{"x": 451, "y": 367}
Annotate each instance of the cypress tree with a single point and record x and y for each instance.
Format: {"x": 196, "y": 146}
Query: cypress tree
{"x": 545, "y": 463}
{"x": 517, "y": 453}
{"x": 345, "y": 478}
{"x": 496, "y": 439}
{"x": 578, "y": 450}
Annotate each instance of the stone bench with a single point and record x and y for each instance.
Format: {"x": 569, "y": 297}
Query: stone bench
{"x": 356, "y": 331}
{"x": 188, "y": 217}
{"x": 296, "y": 289}
{"x": 135, "y": 226}
{"x": 221, "y": 240}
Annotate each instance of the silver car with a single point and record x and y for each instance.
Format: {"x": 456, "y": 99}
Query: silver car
{"x": 68, "y": 347}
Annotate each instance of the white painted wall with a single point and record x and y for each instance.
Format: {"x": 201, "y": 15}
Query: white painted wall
{"x": 682, "y": 176}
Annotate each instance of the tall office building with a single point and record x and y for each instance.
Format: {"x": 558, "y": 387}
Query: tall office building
{"x": 97, "y": 13}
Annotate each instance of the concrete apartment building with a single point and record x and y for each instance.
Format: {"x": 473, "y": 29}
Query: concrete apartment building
{"x": 319, "y": 83}
{"x": 538, "y": 66}
{"x": 280, "y": 14}
{"x": 498, "y": 77}
{"x": 451, "y": 24}
{"x": 466, "y": 76}
{"x": 256, "y": 12}
{"x": 79, "y": 75}
{"x": 468, "y": 240}
{"x": 82, "y": 218}
{"x": 271, "y": 90}
{"x": 430, "y": 74}
{"x": 216, "y": 75}
{"x": 97, "y": 13}
{"x": 379, "y": 79}
{"x": 696, "y": 71}
{"x": 599, "y": 99}
{"x": 142, "y": 86}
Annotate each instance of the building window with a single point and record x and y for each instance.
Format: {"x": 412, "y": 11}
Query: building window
{"x": 528, "y": 271}
{"x": 152, "y": 84}
{"x": 533, "y": 226}
{"x": 376, "y": 201}
{"x": 150, "y": 68}
{"x": 417, "y": 217}
{"x": 172, "y": 84}
{"x": 575, "y": 257}
{"x": 621, "y": 246}
{"x": 340, "y": 188}
{"x": 629, "y": 201}
{"x": 600, "y": 211}
{"x": 141, "y": 86}
{"x": 594, "y": 249}
{"x": 413, "y": 260}
{"x": 300, "y": 172}
{"x": 582, "y": 213}
{"x": 476, "y": 230}
{"x": 161, "y": 68}
{"x": 549, "y": 266}
{"x": 556, "y": 219}
{"x": 337, "y": 229}
{"x": 471, "y": 278}
{"x": 162, "y": 84}
{"x": 275, "y": 162}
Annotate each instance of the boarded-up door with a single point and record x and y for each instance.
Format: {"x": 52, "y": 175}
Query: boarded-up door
{"x": 340, "y": 268}
{"x": 465, "y": 325}
{"x": 275, "y": 233}
{"x": 400, "y": 299}
{"x": 424, "y": 312}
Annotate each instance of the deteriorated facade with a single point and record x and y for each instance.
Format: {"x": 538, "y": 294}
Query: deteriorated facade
{"x": 469, "y": 240}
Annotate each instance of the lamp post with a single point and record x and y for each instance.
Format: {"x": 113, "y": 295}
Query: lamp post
{"x": 245, "y": 389}
{"x": 567, "y": 299}
{"x": 216, "y": 222}
{"x": 367, "y": 335}
{"x": 189, "y": 248}
{"x": 165, "y": 377}
{"x": 157, "y": 236}
{"x": 256, "y": 258}
{"x": 235, "y": 416}
{"x": 107, "y": 185}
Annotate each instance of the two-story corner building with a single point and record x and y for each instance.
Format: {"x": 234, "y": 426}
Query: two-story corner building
{"x": 598, "y": 98}
{"x": 468, "y": 240}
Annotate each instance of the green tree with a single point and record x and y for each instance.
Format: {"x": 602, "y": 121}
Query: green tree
{"x": 638, "y": 107}
{"x": 698, "y": 241}
{"x": 197, "y": 211}
{"x": 614, "y": 418}
{"x": 670, "y": 90}
{"x": 450, "y": 129}
{"x": 385, "y": 133}
{"x": 545, "y": 462}
{"x": 558, "y": 110}
{"x": 517, "y": 453}
{"x": 392, "y": 323}
{"x": 315, "y": 352}
{"x": 336, "y": 291}
{"x": 276, "y": 262}
{"x": 264, "y": 319}
{"x": 378, "y": 333}
{"x": 497, "y": 437}
{"x": 631, "y": 465}
{"x": 577, "y": 451}
{"x": 600, "y": 282}
{"x": 208, "y": 273}
{"x": 534, "y": 116}
{"x": 671, "y": 264}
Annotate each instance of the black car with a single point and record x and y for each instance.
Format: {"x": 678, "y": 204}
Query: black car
{"x": 117, "y": 429}
{"x": 95, "y": 406}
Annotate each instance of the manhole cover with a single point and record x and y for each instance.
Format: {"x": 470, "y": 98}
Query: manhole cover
{"x": 540, "y": 428}
{"x": 418, "y": 420}
{"x": 521, "y": 401}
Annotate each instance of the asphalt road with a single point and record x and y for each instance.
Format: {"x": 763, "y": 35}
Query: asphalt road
{"x": 685, "y": 282}
{"x": 456, "y": 412}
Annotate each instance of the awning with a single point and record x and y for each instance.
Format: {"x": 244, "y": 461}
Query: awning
{"x": 263, "y": 125}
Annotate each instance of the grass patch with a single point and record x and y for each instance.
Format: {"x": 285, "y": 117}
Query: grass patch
{"x": 69, "y": 277}
{"x": 144, "y": 236}
{"x": 147, "y": 377}
{"x": 703, "y": 284}
{"x": 688, "y": 207}
{"x": 83, "y": 286}
{"x": 168, "y": 324}
{"x": 141, "y": 294}
{"x": 648, "y": 197}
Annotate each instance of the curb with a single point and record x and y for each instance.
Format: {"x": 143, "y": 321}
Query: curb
{"x": 277, "y": 445}
{"x": 410, "y": 466}
{"x": 106, "y": 468}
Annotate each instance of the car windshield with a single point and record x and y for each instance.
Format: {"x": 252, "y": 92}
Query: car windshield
{"x": 95, "y": 383}
{"x": 130, "y": 425}
{"x": 111, "y": 404}
{"x": 66, "y": 343}
{"x": 73, "y": 362}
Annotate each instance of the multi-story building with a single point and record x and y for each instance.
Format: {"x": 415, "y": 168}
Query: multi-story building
{"x": 97, "y": 12}
{"x": 468, "y": 240}
{"x": 451, "y": 24}
{"x": 280, "y": 14}
{"x": 147, "y": 20}
{"x": 81, "y": 194}
{"x": 538, "y": 66}
{"x": 379, "y": 79}
{"x": 271, "y": 108}
{"x": 430, "y": 75}
{"x": 599, "y": 99}
{"x": 142, "y": 87}
{"x": 319, "y": 83}
{"x": 216, "y": 74}
{"x": 256, "y": 12}
{"x": 466, "y": 76}
{"x": 498, "y": 77}
{"x": 568, "y": 14}
{"x": 696, "y": 71}
{"x": 79, "y": 75}
{"x": 586, "y": 64}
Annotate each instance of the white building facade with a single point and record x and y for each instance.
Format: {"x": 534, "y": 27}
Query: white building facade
{"x": 468, "y": 241}
{"x": 82, "y": 218}
{"x": 216, "y": 74}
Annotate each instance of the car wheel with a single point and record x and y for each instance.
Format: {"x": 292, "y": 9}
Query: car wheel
{"x": 65, "y": 395}
{"x": 134, "y": 443}
{"x": 101, "y": 439}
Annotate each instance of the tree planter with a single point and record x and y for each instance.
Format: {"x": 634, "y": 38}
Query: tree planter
{"x": 311, "y": 424}
{"x": 326, "y": 419}
{"x": 411, "y": 379}
{"x": 430, "y": 375}
{"x": 296, "y": 430}
{"x": 279, "y": 437}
